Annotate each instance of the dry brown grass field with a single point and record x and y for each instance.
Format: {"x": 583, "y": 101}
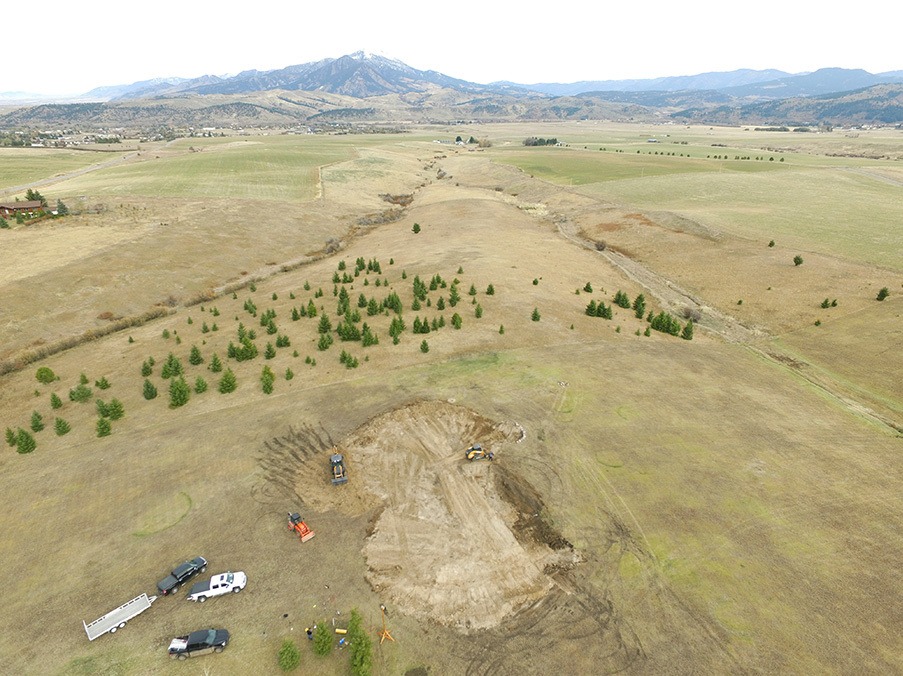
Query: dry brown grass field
{"x": 729, "y": 504}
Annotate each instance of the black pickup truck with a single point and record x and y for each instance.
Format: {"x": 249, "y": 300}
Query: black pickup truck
{"x": 182, "y": 573}
{"x": 198, "y": 643}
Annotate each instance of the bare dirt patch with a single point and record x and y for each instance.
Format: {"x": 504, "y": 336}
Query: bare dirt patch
{"x": 463, "y": 544}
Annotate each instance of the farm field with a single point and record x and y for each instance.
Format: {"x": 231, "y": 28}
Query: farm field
{"x": 655, "y": 504}
{"x": 23, "y": 166}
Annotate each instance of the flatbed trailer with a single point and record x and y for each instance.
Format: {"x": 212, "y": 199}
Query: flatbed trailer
{"x": 116, "y": 619}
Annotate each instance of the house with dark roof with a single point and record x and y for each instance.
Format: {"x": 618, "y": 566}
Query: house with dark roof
{"x": 26, "y": 207}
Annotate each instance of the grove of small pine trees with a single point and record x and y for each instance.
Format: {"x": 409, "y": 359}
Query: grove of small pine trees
{"x": 665, "y": 323}
{"x": 171, "y": 367}
{"x": 639, "y": 306}
{"x": 622, "y": 300}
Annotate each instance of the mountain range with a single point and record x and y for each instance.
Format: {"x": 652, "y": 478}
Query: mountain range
{"x": 362, "y": 87}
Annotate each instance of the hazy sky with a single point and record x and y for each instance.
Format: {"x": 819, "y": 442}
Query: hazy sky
{"x": 74, "y": 47}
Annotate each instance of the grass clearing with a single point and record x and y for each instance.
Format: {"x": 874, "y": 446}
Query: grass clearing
{"x": 725, "y": 509}
{"x": 836, "y": 212}
{"x": 21, "y": 166}
{"x": 280, "y": 169}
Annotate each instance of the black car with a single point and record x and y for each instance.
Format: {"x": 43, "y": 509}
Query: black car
{"x": 198, "y": 643}
{"x": 171, "y": 583}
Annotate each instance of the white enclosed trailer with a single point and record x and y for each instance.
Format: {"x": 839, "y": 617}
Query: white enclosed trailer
{"x": 116, "y": 619}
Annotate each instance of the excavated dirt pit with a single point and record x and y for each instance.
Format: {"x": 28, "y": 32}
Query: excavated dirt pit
{"x": 456, "y": 542}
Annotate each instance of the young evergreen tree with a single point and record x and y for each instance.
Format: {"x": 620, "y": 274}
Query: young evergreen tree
{"x": 104, "y": 427}
{"x": 45, "y": 375}
{"x": 179, "y": 392}
{"x": 269, "y": 352}
{"x": 55, "y": 401}
{"x": 289, "y": 374}
{"x": 456, "y": 321}
{"x": 360, "y": 646}
{"x": 267, "y": 378}
{"x": 115, "y": 409}
{"x": 639, "y": 306}
{"x": 324, "y": 342}
{"x": 289, "y": 655}
{"x": 171, "y": 367}
{"x": 80, "y": 393}
{"x": 200, "y": 385}
{"x": 146, "y": 369}
{"x": 10, "y": 436}
{"x": 102, "y": 409}
{"x": 37, "y": 422}
{"x": 150, "y": 391}
{"x": 61, "y": 427}
{"x": 215, "y": 365}
{"x": 322, "y": 639}
{"x": 195, "y": 358}
{"x": 368, "y": 338}
{"x": 25, "y": 443}
{"x": 687, "y": 333}
{"x": 882, "y": 294}
{"x": 228, "y": 382}
{"x": 478, "y": 311}
{"x": 535, "y": 316}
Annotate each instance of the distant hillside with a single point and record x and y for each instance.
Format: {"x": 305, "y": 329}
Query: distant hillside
{"x": 365, "y": 89}
{"x": 821, "y": 82}
{"x": 880, "y": 104}
{"x": 360, "y": 75}
{"x": 702, "y": 81}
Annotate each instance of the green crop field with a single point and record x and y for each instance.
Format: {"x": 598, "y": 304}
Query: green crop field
{"x": 569, "y": 167}
{"x": 278, "y": 168}
{"x": 835, "y": 211}
{"x": 20, "y": 166}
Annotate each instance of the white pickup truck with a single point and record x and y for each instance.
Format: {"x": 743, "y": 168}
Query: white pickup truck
{"x": 217, "y": 585}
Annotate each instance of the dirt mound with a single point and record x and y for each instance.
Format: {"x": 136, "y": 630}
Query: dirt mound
{"x": 457, "y": 542}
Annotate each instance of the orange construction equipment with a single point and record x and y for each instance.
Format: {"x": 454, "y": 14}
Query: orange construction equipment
{"x": 296, "y": 524}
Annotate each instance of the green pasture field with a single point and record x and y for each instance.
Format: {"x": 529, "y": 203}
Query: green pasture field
{"x": 840, "y": 206}
{"x": 21, "y": 166}
{"x": 834, "y": 211}
{"x": 571, "y": 167}
{"x": 281, "y": 168}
